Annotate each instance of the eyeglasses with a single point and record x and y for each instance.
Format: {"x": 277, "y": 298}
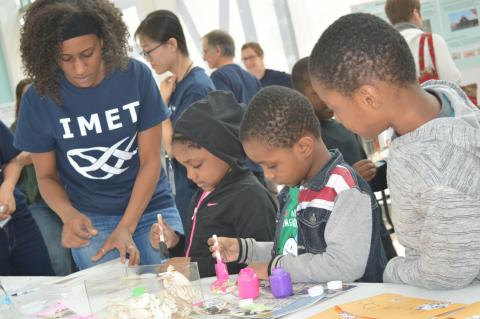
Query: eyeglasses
{"x": 146, "y": 54}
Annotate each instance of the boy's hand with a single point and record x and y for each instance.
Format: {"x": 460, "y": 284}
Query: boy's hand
{"x": 261, "y": 269}
{"x": 366, "y": 168}
{"x": 171, "y": 238}
{"x": 228, "y": 248}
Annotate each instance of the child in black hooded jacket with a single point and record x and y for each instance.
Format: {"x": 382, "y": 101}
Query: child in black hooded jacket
{"x": 230, "y": 202}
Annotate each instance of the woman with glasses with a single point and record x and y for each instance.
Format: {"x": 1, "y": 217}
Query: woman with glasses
{"x": 164, "y": 46}
{"x": 92, "y": 122}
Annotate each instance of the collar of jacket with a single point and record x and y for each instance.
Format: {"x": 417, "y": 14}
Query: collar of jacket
{"x": 320, "y": 179}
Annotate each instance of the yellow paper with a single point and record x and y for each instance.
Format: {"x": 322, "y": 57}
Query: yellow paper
{"x": 390, "y": 306}
{"x": 469, "y": 312}
{"x": 336, "y": 313}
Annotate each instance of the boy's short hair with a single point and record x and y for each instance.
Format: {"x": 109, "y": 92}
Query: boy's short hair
{"x": 223, "y": 40}
{"x": 358, "y": 49}
{"x": 279, "y": 117}
{"x": 401, "y": 10}
{"x": 254, "y": 46}
{"x": 300, "y": 75}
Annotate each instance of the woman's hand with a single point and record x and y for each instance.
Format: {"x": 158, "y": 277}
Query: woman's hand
{"x": 77, "y": 231}
{"x": 122, "y": 240}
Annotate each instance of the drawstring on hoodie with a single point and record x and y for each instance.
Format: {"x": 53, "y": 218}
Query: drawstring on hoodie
{"x": 194, "y": 218}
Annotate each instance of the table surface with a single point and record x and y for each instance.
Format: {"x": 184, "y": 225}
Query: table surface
{"x": 363, "y": 290}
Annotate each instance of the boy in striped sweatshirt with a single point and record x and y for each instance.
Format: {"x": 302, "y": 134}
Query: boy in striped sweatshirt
{"x": 326, "y": 228}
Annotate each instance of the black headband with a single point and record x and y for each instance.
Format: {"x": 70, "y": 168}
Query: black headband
{"x": 79, "y": 25}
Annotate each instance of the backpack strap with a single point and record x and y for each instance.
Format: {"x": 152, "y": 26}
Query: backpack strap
{"x": 421, "y": 54}
{"x": 432, "y": 54}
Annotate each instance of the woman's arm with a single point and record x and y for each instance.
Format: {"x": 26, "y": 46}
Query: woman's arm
{"x": 77, "y": 228}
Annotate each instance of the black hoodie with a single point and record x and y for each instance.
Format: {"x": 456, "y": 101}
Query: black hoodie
{"x": 239, "y": 206}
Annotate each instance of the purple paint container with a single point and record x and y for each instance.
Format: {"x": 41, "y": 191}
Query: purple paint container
{"x": 280, "y": 283}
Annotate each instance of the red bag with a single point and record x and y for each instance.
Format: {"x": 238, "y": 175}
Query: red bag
{"x": 426, "y": 73}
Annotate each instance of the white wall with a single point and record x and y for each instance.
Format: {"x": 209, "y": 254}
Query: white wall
{"x": 9, "y": 36}
{"x": 309, "y": 17}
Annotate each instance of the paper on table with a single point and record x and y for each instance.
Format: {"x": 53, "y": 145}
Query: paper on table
{"x": 392, "y": 306}
{"x": 470, "y": 311}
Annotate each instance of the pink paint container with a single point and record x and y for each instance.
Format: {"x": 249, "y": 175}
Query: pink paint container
{"x": 247, "y": 282}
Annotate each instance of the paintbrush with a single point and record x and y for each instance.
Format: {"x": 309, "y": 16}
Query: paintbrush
{"x": 164, "y": 253}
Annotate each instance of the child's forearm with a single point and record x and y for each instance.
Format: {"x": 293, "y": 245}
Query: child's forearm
{"x": 254, "y": 251}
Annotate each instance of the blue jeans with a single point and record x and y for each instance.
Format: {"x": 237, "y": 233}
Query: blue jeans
{"x": 51, "y": 228}
{"x": 22, "y": 250}
{"x": 106, "y": 224}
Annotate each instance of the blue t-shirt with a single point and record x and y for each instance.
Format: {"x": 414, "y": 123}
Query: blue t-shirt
{"x": 273, "y": 77}
{"x": 94, "y": 134}
{"x": 7, "y": 153}
{"x": 192, "y": 88}
{"x": 233, "y": 78}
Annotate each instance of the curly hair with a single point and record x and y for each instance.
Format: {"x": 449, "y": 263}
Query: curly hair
{"x": 41, "y": 35}
{"x": 357, "y": 49}
{"x": 279, "y": 117}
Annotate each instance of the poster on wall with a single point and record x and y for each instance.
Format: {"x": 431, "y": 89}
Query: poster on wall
{"x": 457, "y": 21}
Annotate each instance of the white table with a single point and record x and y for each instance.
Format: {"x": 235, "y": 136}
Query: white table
{"x": 363, "y": 290}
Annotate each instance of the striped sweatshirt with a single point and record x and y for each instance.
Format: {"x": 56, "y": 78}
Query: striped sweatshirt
{"x": 434, "y": 180}
{"x": 338, "y": 230}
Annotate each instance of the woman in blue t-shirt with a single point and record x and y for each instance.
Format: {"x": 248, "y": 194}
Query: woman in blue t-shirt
{"x": 163, "y": 43}
{"x": 92, "y": 121}
{"x": 22, "y": 250}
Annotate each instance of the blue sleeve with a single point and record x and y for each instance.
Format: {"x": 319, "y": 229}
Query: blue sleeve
{"x": 287, "y": 80}
{"x": 220, "y": 82}
{"x": 32, "y": 132}
{"x": 7, "y": 151}
{"x": 152, "y": 109}
{"x": 189, "y": 99}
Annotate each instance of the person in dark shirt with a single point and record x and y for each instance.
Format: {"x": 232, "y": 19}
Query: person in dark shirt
{"x": 218, "y": 52}
{"x": 336, "y": 136}
{"x": 164, "y": 46}
{"x": 252, "y": 58}
{"x": 22, "y": 249}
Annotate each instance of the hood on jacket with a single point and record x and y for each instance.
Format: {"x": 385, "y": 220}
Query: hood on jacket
{"x": 462, "y": 130}
{"x": 214, "y": 124}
